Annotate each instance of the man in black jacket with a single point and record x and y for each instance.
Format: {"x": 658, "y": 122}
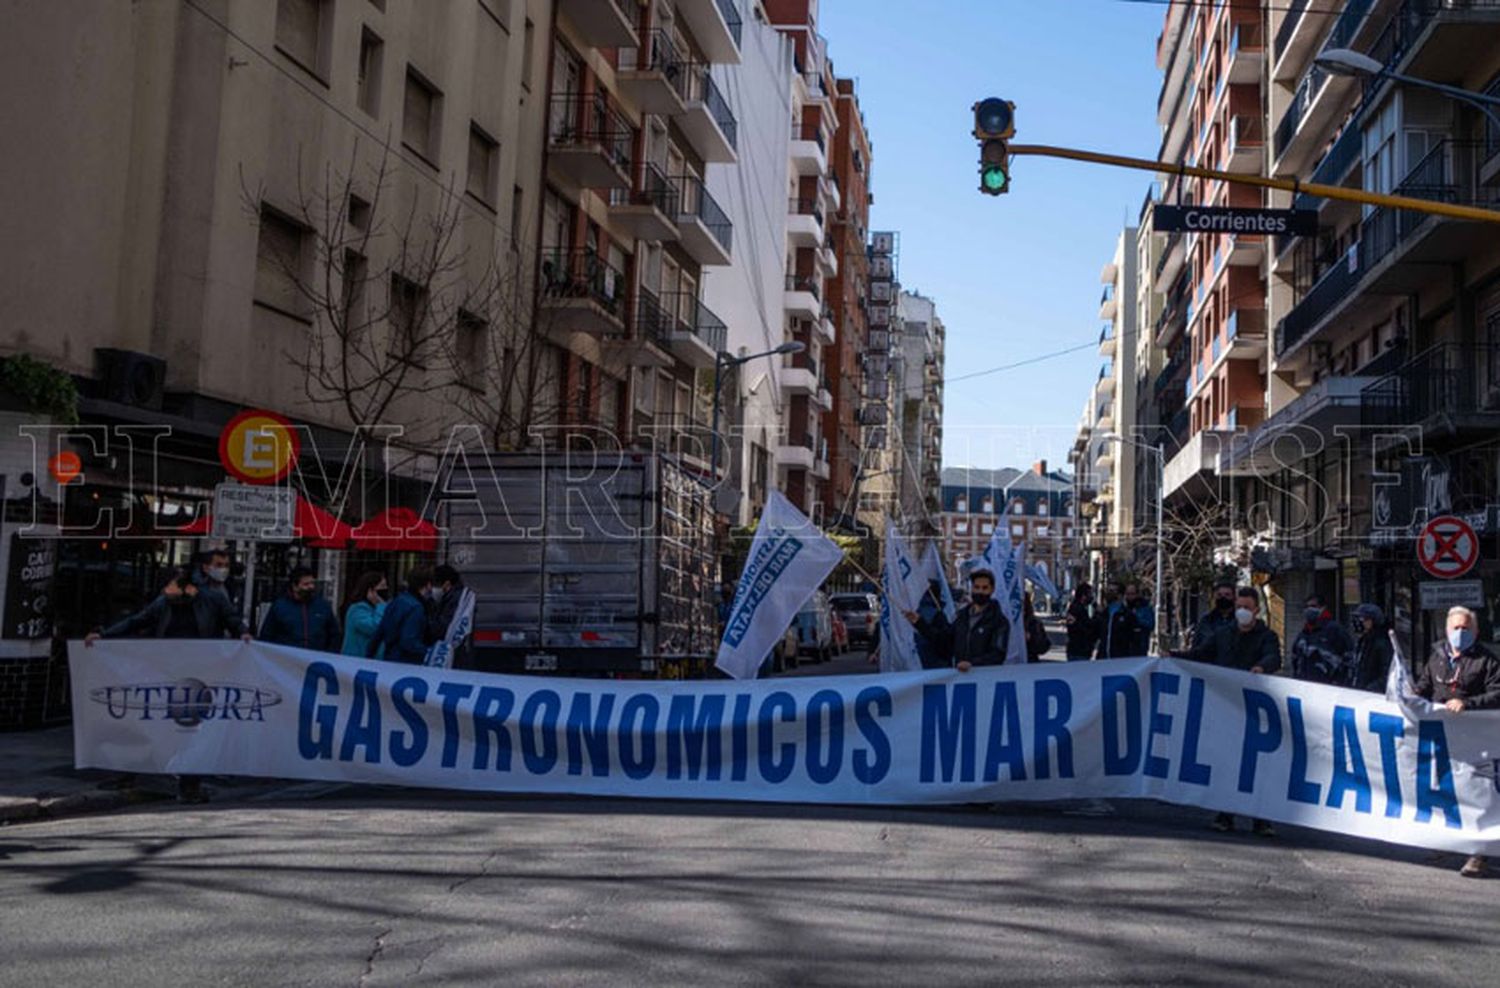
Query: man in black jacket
{"x": 1220, "y": 613}
{"x": 1083, "y": 628}
{"x": 1462, "y": 674}
{"x": 979, "y": 636}
{"x": 1119, "y": 625}
{"x": 1248, "y": 645}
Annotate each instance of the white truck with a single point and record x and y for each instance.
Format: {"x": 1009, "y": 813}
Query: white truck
{"x": 596, "y": 566}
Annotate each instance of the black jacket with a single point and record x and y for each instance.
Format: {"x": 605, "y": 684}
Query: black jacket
{"x": 1476, "y": 681}
{"x": 1037, "y": 639}
{"x": 1234, "y": 649}
{"x": 1321, "y": 651}
{"x": 980, "y": 640}
{"x": 1120, "y": 633}
{"x": 1211, "y": 622}
{"x": 212, "y": 612}
{"x": 1372, "y": 662}
{"x": 1083, "y": 629}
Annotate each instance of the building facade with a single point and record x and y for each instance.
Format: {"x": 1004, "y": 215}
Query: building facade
{"x": 1035, "y": 506}
{"x": 922, "y": 335}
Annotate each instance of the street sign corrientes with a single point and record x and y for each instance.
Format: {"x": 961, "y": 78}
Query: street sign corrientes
{"x": 259, "y": 447}
{"x": 1448, "y": 547}
{"x": 1234, "y": 219}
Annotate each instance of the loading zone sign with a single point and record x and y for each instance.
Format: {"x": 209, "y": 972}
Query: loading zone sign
{"x": 1448, "y": 547}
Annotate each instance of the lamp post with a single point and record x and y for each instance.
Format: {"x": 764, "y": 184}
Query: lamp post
{"x": 1161, "y": 484}
{"x": 724, "y": 360}
{"x": 1346, "y": 62}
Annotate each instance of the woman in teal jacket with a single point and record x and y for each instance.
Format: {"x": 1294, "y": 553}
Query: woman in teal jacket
{"x": 363, "y": 613}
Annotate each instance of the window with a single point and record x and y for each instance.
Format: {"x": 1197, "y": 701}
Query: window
{"x": 645, "y": 390}
{"x": 419, "y": 128}
{"x": 359, "y": 214}
{"x": 1041, "y": 531}
{"x": 609, "y": 397}
{"x": 517, "y": 207}
{"x": 299, "y": 31}
{"x": 988, "y": 528}
{"x": 1018, "y": 508}
{"x": 408, "y": 317}
{"x": 962, "y": 527}
{"x": 1041, "y": 508}
{"x": 484, "y": 158}
{"x": 469, "y": 336}
{"x": 1018, "y": 531}
{"x": 963, "y": 504}
{"x": 356, "y": 272}
{"x": 371, "y": 58}
{"x": 280, "y": 264}
{"x": 989, "y": 505}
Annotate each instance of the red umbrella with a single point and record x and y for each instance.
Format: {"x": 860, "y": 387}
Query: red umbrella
{"x": 396, "y": 530}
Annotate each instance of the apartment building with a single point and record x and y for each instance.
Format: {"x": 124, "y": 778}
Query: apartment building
{"x": 882, "y": 456}
{"x": 208, "y": 198}
{"x": 630, "y": 231}
{"x": 1035, "y": 505}
{"x": 1382, "y": 393}
{"x": 921, "y": 386}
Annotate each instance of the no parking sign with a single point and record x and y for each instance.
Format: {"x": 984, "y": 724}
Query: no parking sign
{"x": 1448, "y": 547}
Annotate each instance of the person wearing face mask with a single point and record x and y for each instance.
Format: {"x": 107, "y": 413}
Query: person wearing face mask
{"x": 362, "y": 613}
{"x": 302, "y": 618}
{"x": 1372, "y": 651}
{"x": 1220, "y": 613}
{"x": 212, "y": 573}
{"x": 1461, "y": 674}
{"x": 1323, "y": 651}
{"x": 402, "y": 633}
{"x": 1248, "y": 645}
{"x": 1082, "y": 625}
{"x": 979, "y": 636}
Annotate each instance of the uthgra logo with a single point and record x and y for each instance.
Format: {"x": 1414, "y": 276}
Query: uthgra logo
{"x": 188, "y": 702}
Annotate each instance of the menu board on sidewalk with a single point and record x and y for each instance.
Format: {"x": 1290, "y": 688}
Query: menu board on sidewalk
{"x": 28, "y": 612}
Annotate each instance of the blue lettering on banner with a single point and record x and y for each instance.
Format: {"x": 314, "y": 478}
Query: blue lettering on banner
{"x": 1113, "y": 691}
{"x": 1390, "y": 729}
{"x": 589, "y": 732}
{"x": 491, "y": 712}
{"x": 311, "y": 712}
{"x": 1005, "y": 746}
{"x": 695, "y": 734}
{"x": 1349, "y": 773}
{"x": 637, "y": 741}
{"x": 405, "y": 692}
{"x": 948, "y": 731}
{"x": 1259, "y": 740}
{"x": 364, "y": 720}
{"x": 539, "y": 716}
{"x": 1193, "y": 771}
{"x": 1162, "y": 684}
{"x": 825, "y": 736}
{"x": 765, "y": 570}
{"x": 452, "y": 693}
{"x": 776, "y": 767}
{"x": 1054, "y": 705}
{"x": 871, "y": 764}
{"x": 1298, "y": 788}
{"x": 1435, "y": 776}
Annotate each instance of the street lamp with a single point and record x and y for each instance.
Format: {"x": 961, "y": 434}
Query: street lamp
{"x": 723, "y": 360}
{"x": 1346, "y": 62}
{"x": 1161, "y": 485}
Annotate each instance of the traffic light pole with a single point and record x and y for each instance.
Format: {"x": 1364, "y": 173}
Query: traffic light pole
{"x": 1285, "y": 184}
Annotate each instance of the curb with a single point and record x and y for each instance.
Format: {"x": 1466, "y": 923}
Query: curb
{"x": 72, "y": 804}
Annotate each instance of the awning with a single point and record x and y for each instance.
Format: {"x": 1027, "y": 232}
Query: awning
{"x": 396, "y": 530}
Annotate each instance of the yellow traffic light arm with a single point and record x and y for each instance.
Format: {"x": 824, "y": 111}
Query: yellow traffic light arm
{"x": 1285, "y": 184}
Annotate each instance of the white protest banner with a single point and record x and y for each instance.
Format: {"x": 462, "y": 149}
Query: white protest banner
{"x": 440, "y": 655}
{"x": 1264, "y": 746}
{"x": 789, "y": 559}
{"x": 901, "y": 576}
{"x": 933, "y": 571}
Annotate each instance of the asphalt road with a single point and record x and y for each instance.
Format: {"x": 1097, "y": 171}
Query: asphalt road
{"x": 320, "y": 886}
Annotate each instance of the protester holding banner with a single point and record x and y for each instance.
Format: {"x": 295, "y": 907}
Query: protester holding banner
{"x": 449, "y": 595}
{"x": 362, "y": 613}
{"x": 1461, "y": 674}
{"x": 1372, "y": 652}
{"x": 1323, "y": 650}
{"x": 402, "y": 632}
{"x": 979, "y": 636}
{"x": 301, "y": 617}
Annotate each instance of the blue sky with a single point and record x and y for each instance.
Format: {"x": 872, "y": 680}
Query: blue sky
{"x": 1015, "y": 276}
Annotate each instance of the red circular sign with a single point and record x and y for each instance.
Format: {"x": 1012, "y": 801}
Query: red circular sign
{"x": 1448, "y": 547}
{"x": 259, "y": 447}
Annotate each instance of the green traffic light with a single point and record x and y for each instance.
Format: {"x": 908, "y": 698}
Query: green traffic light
{"x": 994, "y": 178}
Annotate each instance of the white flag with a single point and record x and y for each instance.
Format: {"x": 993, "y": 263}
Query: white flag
{"x": 1041, "y": 580}
{"x": 789, "y": 559}
{"x": 904, "y": 585}
{"x": 1005, "y": 561}
{"x": 440, "y": 654}
{"x": 932, "y": 570}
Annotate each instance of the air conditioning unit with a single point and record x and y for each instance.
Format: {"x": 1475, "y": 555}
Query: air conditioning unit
{"x": 130, "y": 378}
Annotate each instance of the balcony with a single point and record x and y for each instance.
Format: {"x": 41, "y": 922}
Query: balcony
{"x": 802, "y": 298}
{"x": 648, "y": 212}
{"x": 1108, "y": 306}
{"x": 1429, "y": 38}
{"x": 703, "y": 228}
{"x": 1170, "y": 263}
{"x": 1332, "y": 170}
{"x": 1107, "y": 342}
{"x": 873, "y": 414}
{"x": 1331, "y": 403}
{"x": 1245, "y": 249}
{"x": 828, "y": 259}
{"x": 654, "y": 76}
{"x": 590, "y": 144}
{"x": 808, "y": 149}
{"x": 694, "y": 333}
{"x": 879, "y": 343}
{"x": 708, "y": 121}
{"x": 1106, "y": 382}
{"x": 823, "y": 398}
{"x": 1198, "y": 456}
{"x": 601, "y": 23}
{"x": 717, "y": 26}
{"x": 646, "y": 345}
{"x": 1247, "y": 53}
{"x": 581, "y": 294}
{"x": 804, "y": 223}
{"x": 823, "y": 326}
{"x": 1246, "y": 148}
{"x": 1448, "y": 389}
{"x": 799, "y": 378}
{"x": 1169, "y": 376}
{"x": 797, "y": 452}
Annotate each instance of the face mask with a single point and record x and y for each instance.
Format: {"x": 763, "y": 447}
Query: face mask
{"x": 1224, "y": 604}
{"x": 1244, "y": 616}
{"x": 1460, "y": 639}
{"x": 980, "y": 599}
{"x": 219, "y": 574}
{"x": 384, "y": 594}
{"x": 438, "y": 593}
{"x": 1312, "y": 614}
{"x": 305, "y": 594}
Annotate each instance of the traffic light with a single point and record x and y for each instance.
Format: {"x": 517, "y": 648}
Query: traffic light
{"x": 994, "y": 125}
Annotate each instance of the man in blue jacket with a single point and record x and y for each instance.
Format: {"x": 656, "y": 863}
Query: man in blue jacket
{"x": 302, "y": 618}
{"x": 403, "y": 627}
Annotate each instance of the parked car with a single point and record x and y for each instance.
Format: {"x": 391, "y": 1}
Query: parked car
{"x": 861, "y": 615}
{"x": 814, "y": 626}
{"x": 840, "y": 631}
